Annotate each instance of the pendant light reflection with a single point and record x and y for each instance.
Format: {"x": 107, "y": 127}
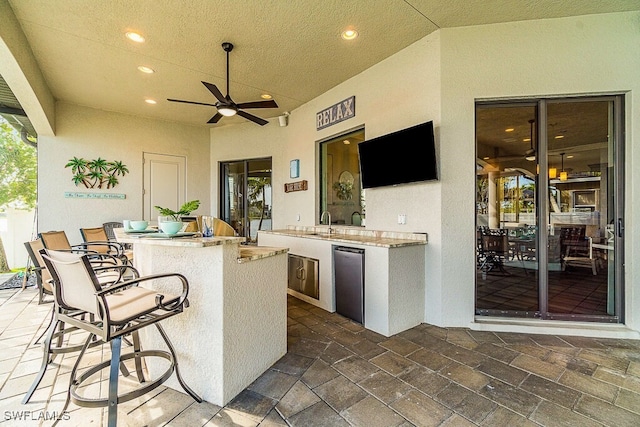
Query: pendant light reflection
{"x": 530, "y": 154}
{"x": 563, "y": 175}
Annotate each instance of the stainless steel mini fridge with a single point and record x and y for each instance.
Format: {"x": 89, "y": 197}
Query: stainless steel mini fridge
{"x": 348, "y": 265}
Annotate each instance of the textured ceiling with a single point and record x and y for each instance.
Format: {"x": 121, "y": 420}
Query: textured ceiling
{"x": 290, "y": 49}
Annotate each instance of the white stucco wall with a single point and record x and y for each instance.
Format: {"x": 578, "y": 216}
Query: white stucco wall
{"x": 89, "y": 133}
{"x": 439, "y": 78}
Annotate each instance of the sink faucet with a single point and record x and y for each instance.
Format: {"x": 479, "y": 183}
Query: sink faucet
{"x": 322, "y": 218}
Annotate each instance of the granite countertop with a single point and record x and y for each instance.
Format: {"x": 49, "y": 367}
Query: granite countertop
{"x": 245, "y": 253}
{"x": 386, "y": 239}
{"x": 252, "y": 253}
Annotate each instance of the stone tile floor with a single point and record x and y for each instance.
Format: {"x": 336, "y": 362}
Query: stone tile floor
{"x": 336, "y": 373}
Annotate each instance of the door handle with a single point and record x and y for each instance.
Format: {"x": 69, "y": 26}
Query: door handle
{"x": 620, "y": 227}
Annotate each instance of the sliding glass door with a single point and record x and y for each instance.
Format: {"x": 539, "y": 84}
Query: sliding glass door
{"x": 549, "y": 175}
{"x": 245, "y": 192}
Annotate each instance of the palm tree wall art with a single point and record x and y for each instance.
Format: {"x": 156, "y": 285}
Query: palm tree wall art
{"x": 96, "y": 173}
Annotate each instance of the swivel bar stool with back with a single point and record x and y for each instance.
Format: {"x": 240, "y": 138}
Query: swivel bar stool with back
{"x": 108, "y": 269}
{"x": 119, "y": 310}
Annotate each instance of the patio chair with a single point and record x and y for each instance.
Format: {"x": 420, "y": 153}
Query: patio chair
{"x": 101, "y": 243}
{"x": 108, "y": 228}
{"x": 580, "y": 254}
{"x": 108, "y": 271}
{"x": 494, "y": 250}
{"x": 43, "y": 278}
{"x": 577, "y": 248}
{"x": 119, "y": 311}
{"x": 57, "y": 240}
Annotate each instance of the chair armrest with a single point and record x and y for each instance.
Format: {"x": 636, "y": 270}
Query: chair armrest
{"x": 112, "y": 246}
{"x": 126, "y": 284}
{"x": 121, "y": 268}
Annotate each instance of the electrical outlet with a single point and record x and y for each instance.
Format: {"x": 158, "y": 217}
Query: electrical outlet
{"x": 402, "y": 219}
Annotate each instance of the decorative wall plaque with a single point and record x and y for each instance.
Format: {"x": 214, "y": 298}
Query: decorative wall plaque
{"x": 76, "y": 195}
{"x": 337, "y": 113}
{"x": 96, "y": 173}
{"x": 295, "y": 186}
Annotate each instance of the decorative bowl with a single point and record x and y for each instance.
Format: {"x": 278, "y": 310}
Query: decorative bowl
{"x": 139, "y": 225}
{"x": 171, "y": 227}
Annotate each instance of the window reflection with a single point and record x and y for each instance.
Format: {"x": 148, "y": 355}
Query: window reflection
{"x": 341, "y": 191}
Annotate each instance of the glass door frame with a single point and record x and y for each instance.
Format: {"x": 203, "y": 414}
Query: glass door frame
{"x": 616, "y": 125}
{"x": 225, "y": 196}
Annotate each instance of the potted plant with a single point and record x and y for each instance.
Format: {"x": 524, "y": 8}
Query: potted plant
{"x": 174, "y": 216}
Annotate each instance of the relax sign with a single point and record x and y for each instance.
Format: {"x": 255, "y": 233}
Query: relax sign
{"x": 336, "y": 113}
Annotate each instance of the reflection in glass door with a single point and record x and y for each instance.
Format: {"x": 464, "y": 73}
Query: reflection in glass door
{"x": 552, "y": 165}
{"x": 245, "y": 192}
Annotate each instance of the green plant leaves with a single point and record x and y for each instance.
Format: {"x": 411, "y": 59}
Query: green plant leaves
{"x": 185, "y": 209}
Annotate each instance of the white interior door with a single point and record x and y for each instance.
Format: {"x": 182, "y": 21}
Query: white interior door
{"x": 164, "y": 183}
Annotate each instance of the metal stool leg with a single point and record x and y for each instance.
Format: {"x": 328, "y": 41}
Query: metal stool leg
{"x": 116, "y": 346}
{"x": 72, "y": 379}
{"x": 47, "y": 328}
{"x": 45, "y": 361}
{"x": 138, "y": 360}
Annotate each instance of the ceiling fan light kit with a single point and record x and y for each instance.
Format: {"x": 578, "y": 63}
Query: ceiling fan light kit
{"x": 227, "y": 110}
{"x": 226, "y": 106}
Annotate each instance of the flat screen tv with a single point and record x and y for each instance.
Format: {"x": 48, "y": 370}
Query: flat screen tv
{"x": 408, "y": 155}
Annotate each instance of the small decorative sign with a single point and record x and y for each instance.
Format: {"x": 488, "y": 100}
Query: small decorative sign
{"x": 295, "y": 186}
{"x": 337, "y": 113}
{"x": 75, "y": 195}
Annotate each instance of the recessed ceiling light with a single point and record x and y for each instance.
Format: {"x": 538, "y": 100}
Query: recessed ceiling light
{"x": 150, "y": 101}
{"x": 569, "y": 156}
{"x": 346, "y": 142}
{"x": 146, "y": 70}
{"x": 266, "y": 96}
{"x": 526, "y": 140}
{"x": 486, "y": 158}
{"x": 134, "y": 37}
{"x": 559, "y": 136}
{"x": 509, "y": 129}
{"x": 349, "y": 34}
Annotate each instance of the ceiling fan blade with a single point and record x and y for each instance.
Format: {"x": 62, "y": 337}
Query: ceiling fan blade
{"x": 259, "y": 104}
{"x": 215, "y": 91}
{"x": 216, "y": 118}
{"x": 253, "y": 118}
{"x": 190, "y": 102}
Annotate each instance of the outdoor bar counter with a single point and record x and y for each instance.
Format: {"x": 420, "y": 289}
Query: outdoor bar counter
{"x": 235, "y": 327}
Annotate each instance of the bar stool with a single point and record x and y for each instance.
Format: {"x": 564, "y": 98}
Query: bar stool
{"x": 108, "y": 270}
{"x": 119, "y": 310}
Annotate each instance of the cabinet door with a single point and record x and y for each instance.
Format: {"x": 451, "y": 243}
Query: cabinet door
{"x": 309, "y": 281}
{"x": 295, "y": 263}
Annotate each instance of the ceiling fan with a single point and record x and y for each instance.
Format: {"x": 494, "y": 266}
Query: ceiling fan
{"x": 225, "y": 105}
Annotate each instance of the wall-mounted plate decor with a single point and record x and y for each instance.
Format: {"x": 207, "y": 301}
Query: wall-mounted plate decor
{"x": 346, "y": 178}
